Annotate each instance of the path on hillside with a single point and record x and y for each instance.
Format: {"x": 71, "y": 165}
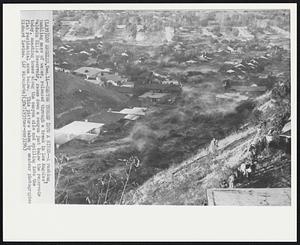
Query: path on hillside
{"x": 228, "y": 146}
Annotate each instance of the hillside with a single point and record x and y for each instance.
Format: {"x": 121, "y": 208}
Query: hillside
{"x": 186, "y": 183}
{"x": 76, "y": 98}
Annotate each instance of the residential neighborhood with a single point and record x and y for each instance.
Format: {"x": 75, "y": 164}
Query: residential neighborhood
{"x": 187, "y": 107}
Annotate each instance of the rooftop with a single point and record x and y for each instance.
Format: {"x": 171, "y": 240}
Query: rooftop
{"x": 112, "y": 77}
{"x": 90, "y": 71}
{"x": 132, "y": 117}
{"x": 134, "y": 111}
{"x": 78, "y": 127}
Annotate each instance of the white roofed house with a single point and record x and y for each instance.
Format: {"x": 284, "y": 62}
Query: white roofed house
{"x": 85, "y": 52}
{"x": 90, "y": 73}
{"x": 150, "y": 97}
{"x": 121, "y": 26}
{"x": 230, "y": 71}
{"x": 140, "y": 111}
{"x": 171, "y": 82}
{"x": 127, "y": 84}
{"x": 132, "y": 113}
{"x": 82, "y": 130}
{"x": 111, "y": 79}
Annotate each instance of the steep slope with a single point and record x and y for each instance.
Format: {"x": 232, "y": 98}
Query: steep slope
{"x": 186, "y": 183}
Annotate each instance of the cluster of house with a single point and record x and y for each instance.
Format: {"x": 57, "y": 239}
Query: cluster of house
{"x": 62, "y": 67}
{"x": 237, "y": 68}
{"x": 102, "y": 77}
{"x": 106, "y": 78}
{"x": 73, "y": 50}
{"x": 89, "y": 129}
{"x": 69, "y": 50}
{"x": 159, "y": 92}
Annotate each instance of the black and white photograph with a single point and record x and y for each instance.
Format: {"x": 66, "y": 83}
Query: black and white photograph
{"x": 145, "y": 122}
{"x": 172, "y": 107}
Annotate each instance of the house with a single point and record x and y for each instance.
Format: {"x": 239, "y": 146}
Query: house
{"x": 132, "y": 114}
{"x": 171, "y": 82}
{"x": 202, "y": 58}
{"x": 128, "y": 84}
{"x": 131, "y": 117}
{"x": 254, "y": 61}
{"x": 138, "y": 111}
{"x": 159, "y": 75}
{"x": 90, "y": 73}
{"x": 64, "y": 67}
{"x": 57, "y": 68}
{"x": 112, "y": 79}
{"x": 83, "y": 130}
{"x": 249, "y": 197}
{"x": 121, "y": 26}
{"x": 152, "y": 97}
{"x": 263, "y": 76}
{"x": 230, "y": 71}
